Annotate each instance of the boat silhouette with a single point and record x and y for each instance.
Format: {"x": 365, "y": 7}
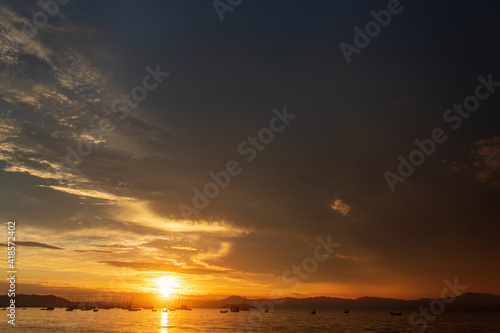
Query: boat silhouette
{"x": 70, "y": 307}
{"x": 183, "y": 307}
{"x": 395, "y": 313}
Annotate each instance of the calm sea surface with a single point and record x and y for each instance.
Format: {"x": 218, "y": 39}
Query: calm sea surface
{"x": 211, "y": 320}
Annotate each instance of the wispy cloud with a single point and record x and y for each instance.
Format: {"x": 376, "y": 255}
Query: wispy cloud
{"x": 116, "y": 214}
{"x": 487, "y": 155}
{"x": 164, "y": 267}
{"x": 36, "y": 244}
{"x": 341, "y": 207}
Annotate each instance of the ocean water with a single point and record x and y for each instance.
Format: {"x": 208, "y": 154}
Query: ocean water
{"x": 211, "y": 320}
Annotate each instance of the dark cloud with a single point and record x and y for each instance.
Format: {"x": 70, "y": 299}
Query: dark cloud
{"x": 160, "y": 266}
{"x": 322, "y": 175}
{"x": 98, "y": 251}
{"x": 35, "y": 244}
{"x": 487, "y": 155}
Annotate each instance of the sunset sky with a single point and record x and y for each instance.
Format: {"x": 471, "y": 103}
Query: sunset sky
{"x": 113, "y": 221}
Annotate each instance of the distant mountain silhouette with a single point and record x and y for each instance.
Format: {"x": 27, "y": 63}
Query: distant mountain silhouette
{"x": 224, "y": 303}
{"x": 35, "y": 301}
{"x": 467, "y": 301}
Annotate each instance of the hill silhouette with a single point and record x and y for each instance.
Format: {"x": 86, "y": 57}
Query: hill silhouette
{"x": 467, "y": 301}
{"x": 35, "y": 301}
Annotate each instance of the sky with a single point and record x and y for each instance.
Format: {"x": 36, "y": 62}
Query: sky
{"x": 118, "y": 116}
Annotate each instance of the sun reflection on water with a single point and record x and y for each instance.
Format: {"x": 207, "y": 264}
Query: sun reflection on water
{"x": 164, "y": 322}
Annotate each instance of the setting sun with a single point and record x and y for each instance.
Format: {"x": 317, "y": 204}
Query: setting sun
{"x": 249, "y": 166}
{"x": 167, "y": 285}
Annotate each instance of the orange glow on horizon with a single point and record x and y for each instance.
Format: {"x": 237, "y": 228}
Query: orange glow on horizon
{"x": 167, "y": 285}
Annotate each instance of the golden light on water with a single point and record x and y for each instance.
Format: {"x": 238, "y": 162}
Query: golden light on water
{"x": 167, "y": 285}
{"x": 164, "y": 322}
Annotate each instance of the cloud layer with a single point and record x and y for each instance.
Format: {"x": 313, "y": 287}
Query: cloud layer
{"x": 115, "y": 217}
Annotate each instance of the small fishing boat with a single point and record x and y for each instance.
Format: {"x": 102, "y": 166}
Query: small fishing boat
{"x": 313, "y": 312}
{"x": 165, "y": 310}
{"x": 181, "y": 304}
{"x": 95, "y": 310}
{"x": 223, "y": 311}
{"x": 395, "y": 313}
{"x": 70, "y": 307}
{"x": 346, "y": 311}
{"x": 183, "y": 307}
{"x": 153, "y": 309}
{"x": 266, "y": 310}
